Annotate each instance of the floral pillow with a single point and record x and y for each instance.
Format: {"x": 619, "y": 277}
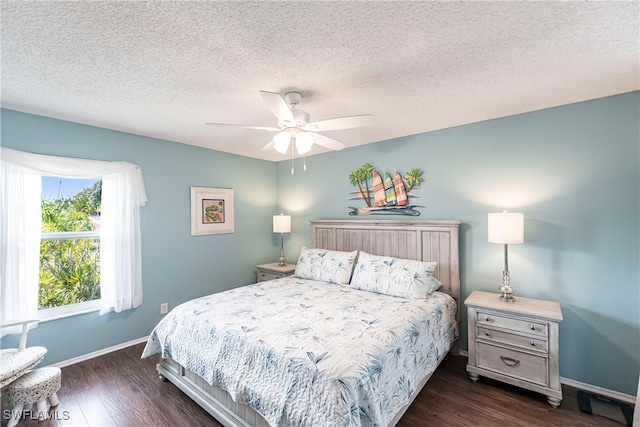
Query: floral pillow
{"x": 397, "y": 277}
{"x": 326, "y": 266}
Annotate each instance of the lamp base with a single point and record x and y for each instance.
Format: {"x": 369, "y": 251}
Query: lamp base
{"x": 506, "y": 288}
{"x": 281, "y": 261}
{"x": 506, "y": 295}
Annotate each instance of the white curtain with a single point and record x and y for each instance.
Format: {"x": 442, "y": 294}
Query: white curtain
{"x": 120, "y": 257}
{"x": 20, "y": 225}
{"x": 120, "y": 249}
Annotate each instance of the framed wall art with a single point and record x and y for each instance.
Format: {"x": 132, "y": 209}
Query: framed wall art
{"x": 211, "y": 211}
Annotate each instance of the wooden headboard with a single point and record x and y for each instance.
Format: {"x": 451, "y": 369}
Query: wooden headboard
{"x": 424, "y": 240}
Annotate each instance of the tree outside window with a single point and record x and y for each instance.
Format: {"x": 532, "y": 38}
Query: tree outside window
{"x": 70, "y": 245}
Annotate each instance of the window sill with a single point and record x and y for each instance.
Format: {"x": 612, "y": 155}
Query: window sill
{"x": 57, "y": 313}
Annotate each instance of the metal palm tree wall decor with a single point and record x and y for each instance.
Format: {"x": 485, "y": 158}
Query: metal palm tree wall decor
{"x": 388, "y": 194}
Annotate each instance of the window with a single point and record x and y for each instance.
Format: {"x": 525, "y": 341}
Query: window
{"x": 122, "y": 195}
{"x": 70, "y": 246}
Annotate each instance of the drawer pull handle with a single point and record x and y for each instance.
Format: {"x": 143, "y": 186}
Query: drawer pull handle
{"x": 509, "y": 361}
{"x": 487, "y": 333}
{"x": 487, "y": 319}
{"x": 533, "y": 343}
{"x": 533, "y": 327}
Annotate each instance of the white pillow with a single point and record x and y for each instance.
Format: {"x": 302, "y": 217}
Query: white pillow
{"x": 325, "y": 265}
{"x": 397, "y": 277}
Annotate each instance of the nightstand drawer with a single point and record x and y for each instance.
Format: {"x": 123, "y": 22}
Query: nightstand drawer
{"x": 533, "y": 344}
{"x": 531, "y": 327}
{"x": 274, "y": 270}
{"x": 528, "y": 367}
{"x": 263, "y": 276}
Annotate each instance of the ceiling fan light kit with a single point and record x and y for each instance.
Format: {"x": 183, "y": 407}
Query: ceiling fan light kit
{"x": 294, "y": 125}
{"x": 302, "y": 140}
{"x": 281, "y": 142}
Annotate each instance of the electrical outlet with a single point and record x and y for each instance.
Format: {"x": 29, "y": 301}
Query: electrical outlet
{"x": 164, "y": 308}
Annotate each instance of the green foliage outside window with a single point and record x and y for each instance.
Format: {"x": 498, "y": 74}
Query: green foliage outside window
{"x": 70, "y": 268}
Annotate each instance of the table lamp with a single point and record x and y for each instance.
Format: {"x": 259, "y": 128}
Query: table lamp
{"x": 281, "y": 224}
{"x": 506, "y": 228}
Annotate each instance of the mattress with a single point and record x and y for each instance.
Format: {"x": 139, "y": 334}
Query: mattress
{"x": 309, "y": 353}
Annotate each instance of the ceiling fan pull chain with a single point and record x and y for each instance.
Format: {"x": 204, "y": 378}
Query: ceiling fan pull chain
{"x": 304, "y": 162}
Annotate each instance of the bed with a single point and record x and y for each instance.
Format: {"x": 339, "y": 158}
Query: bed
{"x": 310, "y": 349}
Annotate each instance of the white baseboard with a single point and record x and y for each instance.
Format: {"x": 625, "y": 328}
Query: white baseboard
{"x": 616, "y": 395}
{"x": 622, "y": 397}
{"x": 102, "y": 352}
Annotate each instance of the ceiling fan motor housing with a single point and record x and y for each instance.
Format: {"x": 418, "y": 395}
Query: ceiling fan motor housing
{"x": 300, "y": 117}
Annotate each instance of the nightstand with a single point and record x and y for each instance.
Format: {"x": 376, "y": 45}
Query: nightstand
{"x": 274, "y": 271}
{"x": 515, "y": 342}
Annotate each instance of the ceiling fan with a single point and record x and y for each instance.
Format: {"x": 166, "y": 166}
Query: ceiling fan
{"x": 294, "y": 125}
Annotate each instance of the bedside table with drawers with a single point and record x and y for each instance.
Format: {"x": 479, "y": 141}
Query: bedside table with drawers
{"x": 274, "y": 271}
{"x": 515, "y": 342}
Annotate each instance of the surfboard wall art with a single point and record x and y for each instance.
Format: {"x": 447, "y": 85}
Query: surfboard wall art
{"x": 384, "y": 193}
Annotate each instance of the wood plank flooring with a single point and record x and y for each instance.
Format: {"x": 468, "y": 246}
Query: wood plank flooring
{"x": 120, "y": 389}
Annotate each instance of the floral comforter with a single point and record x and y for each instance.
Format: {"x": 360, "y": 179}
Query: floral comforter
{"x": 308, "y": 353}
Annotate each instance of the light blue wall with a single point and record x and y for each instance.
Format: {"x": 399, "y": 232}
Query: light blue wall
{"x": 175, "y": 266}
{"x": 572, "y": 170}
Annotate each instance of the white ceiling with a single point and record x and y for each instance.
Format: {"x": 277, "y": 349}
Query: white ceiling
{"x": 163, "y": 69}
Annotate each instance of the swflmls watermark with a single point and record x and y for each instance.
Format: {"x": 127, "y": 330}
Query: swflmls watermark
{"x": 52, "y": 414}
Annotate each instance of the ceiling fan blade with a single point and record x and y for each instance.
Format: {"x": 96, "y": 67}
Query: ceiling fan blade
{"x": 278, "y": 106}
{"x": 269, "y": 146}
{"x": 269, "y": 128}
{"x": 326, "y": 142}
{"x": 341, "y": 123}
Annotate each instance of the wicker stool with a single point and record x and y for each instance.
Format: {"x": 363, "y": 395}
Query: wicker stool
{"x": 34, "y": 386}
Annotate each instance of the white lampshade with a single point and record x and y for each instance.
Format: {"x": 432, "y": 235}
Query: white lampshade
{"x": 506, "y": 227}
{"x": 281, "y": 142}
{"x": 304, "y": 141}
{"x": 281, "y": 223}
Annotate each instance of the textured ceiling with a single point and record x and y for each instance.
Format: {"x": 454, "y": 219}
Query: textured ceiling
{"x": 163, "y": 69}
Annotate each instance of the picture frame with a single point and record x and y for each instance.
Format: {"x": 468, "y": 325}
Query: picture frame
{"x": 211, "y": 211}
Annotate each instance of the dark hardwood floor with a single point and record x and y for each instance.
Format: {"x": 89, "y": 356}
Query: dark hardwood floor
{"x": 120, "y": 389}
